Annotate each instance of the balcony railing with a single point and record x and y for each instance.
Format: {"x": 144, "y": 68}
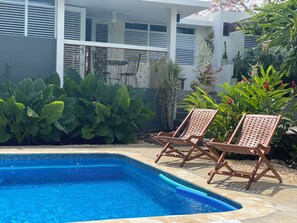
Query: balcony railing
{"x": 111, "y": 59}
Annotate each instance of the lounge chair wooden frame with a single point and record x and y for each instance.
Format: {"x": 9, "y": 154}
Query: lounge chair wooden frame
{"x": 252, "y": 136}
{"x": 191, "y": 132}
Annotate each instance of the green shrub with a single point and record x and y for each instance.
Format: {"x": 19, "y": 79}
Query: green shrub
{"x": 263, "y": 94}
{"x": 28, "y": 113}
{"x": 110, "y": 113}
{"x": 37, "y": 111}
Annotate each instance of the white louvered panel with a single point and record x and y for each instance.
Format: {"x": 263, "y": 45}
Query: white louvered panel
{"x": 72, "y": 25}
{"x": 12, "y": 18}
{"x": 250, "y": 42}
{"x": 72, "y": 57}
{"x": 136, "y": 37}
{"x": 158, "y": 39}
{"x": 185, "y": 49}
{"x": 41, "y": 21}
{"x": 102, "y": 33}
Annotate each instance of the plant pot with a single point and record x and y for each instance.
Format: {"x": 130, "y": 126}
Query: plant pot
{"x": 182, "y": 82}
{"x": 206, "y": 88}
{"x": 224, "y": 61}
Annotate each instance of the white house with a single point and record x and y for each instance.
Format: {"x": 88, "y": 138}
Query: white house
{"x": 39, "y": 37}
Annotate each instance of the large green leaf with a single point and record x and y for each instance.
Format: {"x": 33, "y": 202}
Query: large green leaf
{"x": 3, "y": 120}
{"x": 52, "y": 112}
{"x": 135, "y": 108}
{"x": 123, "y": 98}
{"x": 16, "y": 128}
{"x": 102, "y": 111}
{"x": 21, "y": 97}
{"x": 32, "y": 129}
{"x": 101, "y": 130}
{"x": 3, "y": 136}
{"x": 39, "y": 85}
{"x": 53, "y": 79}
{"x": 3, "y": 106}
{"x": 72, "y": 89}
{"x": 31, "y": 113}
{"x": 73, "y": 75}
{"x": 89, "y": 86}
{"x": 87, "y": 132}
{"x": 27, "y": 87}
{"x": 15, "y": 107}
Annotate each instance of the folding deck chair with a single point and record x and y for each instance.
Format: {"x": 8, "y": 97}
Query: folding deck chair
{"x": 252, "y": 136}
{"x": 191, "y": 132}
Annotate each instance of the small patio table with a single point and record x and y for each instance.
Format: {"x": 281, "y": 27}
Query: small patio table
{"x": 119, "y": 64}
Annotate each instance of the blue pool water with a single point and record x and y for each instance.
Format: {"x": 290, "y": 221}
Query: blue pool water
{"x": 68, "y": 188}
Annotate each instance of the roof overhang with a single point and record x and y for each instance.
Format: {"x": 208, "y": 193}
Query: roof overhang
{"x": 147, "y": 11}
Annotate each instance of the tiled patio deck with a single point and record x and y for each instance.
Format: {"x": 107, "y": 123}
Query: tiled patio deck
{"x": 266, "y": 201}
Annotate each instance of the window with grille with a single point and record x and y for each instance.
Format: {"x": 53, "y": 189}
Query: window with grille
{"x": 40, "y": 16}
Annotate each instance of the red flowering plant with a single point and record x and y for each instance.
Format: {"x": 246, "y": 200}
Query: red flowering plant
{"x": 263, "y": 93}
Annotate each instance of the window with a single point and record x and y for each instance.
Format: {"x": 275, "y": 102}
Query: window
{"x": 40, "y": 18}
{"x": 12, "y": 18}
{"x": 185, "y": 46}
{"x": 75, "y": 23}
{"x": 158, "y": 36}
{"x": 136, "y": 34}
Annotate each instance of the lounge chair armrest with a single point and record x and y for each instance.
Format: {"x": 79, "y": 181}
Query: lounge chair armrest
{"x": 200, "y": 137}
{"x": 169, "y": 134}
{"x": 265, "y": 148}
{"x": 214, "y": 140}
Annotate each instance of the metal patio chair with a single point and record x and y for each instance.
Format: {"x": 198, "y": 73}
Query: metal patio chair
{"x": 252, "y": 136}
{"x": 132, "y": 69}
{"x": 191, "y": 132}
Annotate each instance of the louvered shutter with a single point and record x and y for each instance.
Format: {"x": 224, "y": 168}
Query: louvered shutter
{"x": 12, "y": 18}
{"x": 41, "y": 21}
{"x": 158, "y": 39}
{"x": 136, "y": 37}
{"x": 251, "y": 45}
{"x": 72, "y": 25}
{"x": 185, "y": 48}
{"x": 102, "y": 33}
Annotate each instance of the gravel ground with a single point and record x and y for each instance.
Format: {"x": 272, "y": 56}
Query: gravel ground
{"x": 288, "y": 175}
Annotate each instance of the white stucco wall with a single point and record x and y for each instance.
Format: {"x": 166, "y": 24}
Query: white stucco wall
{"x": 234, "y": 41}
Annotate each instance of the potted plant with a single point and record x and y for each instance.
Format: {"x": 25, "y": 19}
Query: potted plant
{"x": 205, "y": 74}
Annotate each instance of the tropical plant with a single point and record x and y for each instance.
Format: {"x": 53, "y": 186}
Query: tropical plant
{"x": 265, "y": 93}
{"x": 276, "y": 24}
{"x": 205, "y": 74}
{"x": 28, "y": 112}
{"x": 168, "y": 90}
{"x": 37, "y": 111}
{"x": 106, "y": 113}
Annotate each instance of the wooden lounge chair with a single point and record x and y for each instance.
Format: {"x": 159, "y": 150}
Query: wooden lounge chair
{"x": 252, "y": 136}
{"x": 191, "y": 132}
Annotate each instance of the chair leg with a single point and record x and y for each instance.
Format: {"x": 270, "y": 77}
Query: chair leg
{"x": 269, "y": 167}
{"x": 187, "y": 156}
{"x": 218, "y": 166}
{"x": 161, "y": 153}
{"x": 253, "y": 174}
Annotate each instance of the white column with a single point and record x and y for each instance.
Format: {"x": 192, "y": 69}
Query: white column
{"x": 60, "y": 13}
{"x": 171, "y": 33}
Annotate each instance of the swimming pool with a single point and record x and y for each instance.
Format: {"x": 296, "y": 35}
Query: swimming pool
{"x": 83, "y": 187}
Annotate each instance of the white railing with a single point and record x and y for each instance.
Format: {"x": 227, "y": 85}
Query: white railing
{"x": 85, "y": 56}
